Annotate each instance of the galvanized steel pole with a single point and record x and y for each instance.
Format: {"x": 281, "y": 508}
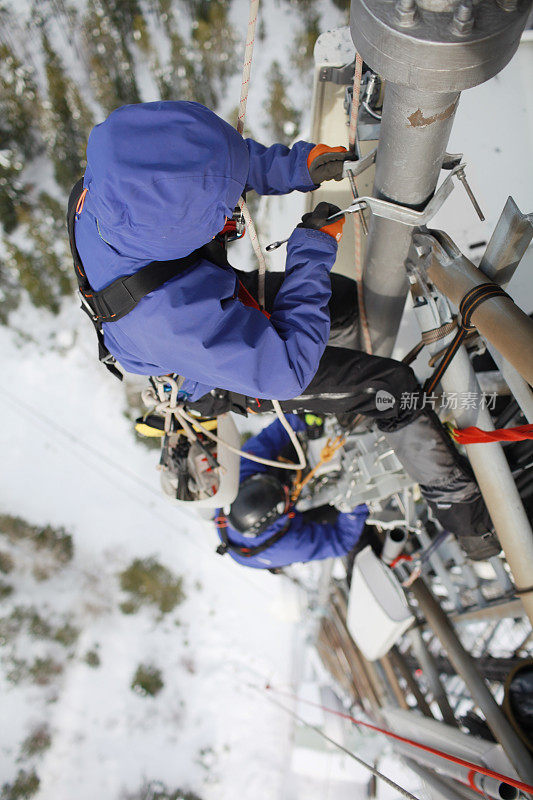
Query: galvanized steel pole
{"x": 427, "y": 52}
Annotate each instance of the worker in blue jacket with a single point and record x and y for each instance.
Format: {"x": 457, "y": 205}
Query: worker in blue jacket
{"x": 161, "y": 180}
{"x": 263, "y": 530}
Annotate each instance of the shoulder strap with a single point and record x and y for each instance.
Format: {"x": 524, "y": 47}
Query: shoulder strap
{"x": 119, "y": 298}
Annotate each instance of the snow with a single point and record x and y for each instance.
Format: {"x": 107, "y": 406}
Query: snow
{"x": 70, "y": 459}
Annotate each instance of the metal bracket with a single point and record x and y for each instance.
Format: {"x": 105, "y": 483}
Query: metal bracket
{"x": 403, "y": 214}
{"x": 342, "y": 76}
{"x": 359, "y": 166}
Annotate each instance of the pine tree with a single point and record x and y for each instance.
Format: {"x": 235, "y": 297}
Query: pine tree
{"x": 108, "y": 34}
{"x": 283, "y": 117}
{"x": 68, "y": 120}
{"x": 216, "y": 43}
{"x": 19, "y": 132}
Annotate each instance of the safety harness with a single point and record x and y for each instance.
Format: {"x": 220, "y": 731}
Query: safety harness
{"x": 122, "y": 295}
{"x": 247, "y": 552}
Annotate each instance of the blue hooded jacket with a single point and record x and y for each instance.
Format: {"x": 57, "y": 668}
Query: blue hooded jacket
{"x": 305, "y": 540}
{"x": 161, "y": 178}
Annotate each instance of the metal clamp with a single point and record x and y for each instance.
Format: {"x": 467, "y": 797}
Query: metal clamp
{"x": 342, "y": 76}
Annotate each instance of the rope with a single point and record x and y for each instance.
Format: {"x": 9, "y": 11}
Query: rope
{"x": 245, "y": 85}
{"x": 247, "y": 66}
{"x": 245, "y": 82}
{"x": 467, "y": 307}
{"x": 339, "y": 746}
{"x": 524, "y": 787}
{"x": 473, "y": 435}
{"x": 250, "y": 227}
{"x": 352, "y": 135}
{"x": 297, "y": 446}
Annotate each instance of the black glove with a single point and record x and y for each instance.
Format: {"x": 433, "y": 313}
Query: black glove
{"x": 328, "y": 163}
{"x": 318, "y": 218}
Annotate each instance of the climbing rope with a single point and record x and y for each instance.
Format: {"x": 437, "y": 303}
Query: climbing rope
{"x": 352, "y": 136}
{"x": 245, "y": 84}
{"x": 475, "y": 768}
{"x": 468, "y": 305}
{"x": 250, "y": 227}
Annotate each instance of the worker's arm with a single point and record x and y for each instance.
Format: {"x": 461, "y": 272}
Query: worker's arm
{"x": 238, "y": 348}
{"x": 279, "y": 169}
{"x": 311, "y": 541}
{"x": 268, "y": 444}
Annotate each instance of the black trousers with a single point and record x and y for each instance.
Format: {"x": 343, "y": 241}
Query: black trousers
{"x": 348, "y": 382}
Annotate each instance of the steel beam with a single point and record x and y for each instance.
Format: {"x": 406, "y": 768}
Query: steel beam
{"x": 465, "y": 666}
{"x": 488, "y": 461}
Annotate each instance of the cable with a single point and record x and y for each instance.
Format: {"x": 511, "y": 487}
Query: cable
{"x": 268, "y": 462}
{"x": 524, "y": 787}
{"x": 352, "y": 138}
{"x": 341, "y": 747}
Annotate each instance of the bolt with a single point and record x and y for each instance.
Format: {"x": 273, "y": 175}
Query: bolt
{"x": 406, "y": 13}
{"x": 463, "y": 18}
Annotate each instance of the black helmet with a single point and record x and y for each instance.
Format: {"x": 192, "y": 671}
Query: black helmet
{"x": 262, "y": 499}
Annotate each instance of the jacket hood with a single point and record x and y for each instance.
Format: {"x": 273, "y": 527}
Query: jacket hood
{"x": 162, "y": 177}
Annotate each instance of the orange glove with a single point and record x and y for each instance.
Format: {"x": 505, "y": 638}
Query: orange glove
{"x": 318, "y": 220}
{"x": 326, "y": 163}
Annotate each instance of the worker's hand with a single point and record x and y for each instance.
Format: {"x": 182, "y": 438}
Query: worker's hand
{"x": 318, "y": 220}
{"x": 326, "y": 163}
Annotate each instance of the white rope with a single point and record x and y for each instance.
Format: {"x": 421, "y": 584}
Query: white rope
{"x": 250, "y": 227}
{"x": 352, "y": 135}
{"x": 268, "y": 462}
{"x": 167, "y": 403}
{"x": 245, "y": 84}
{"x": 247, "y": 66}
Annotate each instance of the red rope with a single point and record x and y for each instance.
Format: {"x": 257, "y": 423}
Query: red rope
{"x": 475, "y": 435}
{"x": 524, "y": 787}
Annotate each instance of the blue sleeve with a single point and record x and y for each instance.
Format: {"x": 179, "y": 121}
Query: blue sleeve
{"x": 268, "y": 444}
{"x": 312, "y": 541}
{"x": 278, "y": 169}
{"x": 245, "y": 352}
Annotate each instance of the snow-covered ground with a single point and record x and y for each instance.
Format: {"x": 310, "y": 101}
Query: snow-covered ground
{"x": 70, "y": 459}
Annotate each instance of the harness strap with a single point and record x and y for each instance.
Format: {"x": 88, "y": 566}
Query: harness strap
{"x": 247, "y": 552}
{"x": 122, "y": 295}
{"x": 468, "y": 305}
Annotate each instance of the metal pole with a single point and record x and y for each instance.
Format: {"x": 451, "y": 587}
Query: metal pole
{"x": 499, "y": 320}
{"x": 408, "y": 164}
{"x": 431, "y": 673}
{"x": 488, "y": 462}
{"x": 426, "y": 56}
{"x": 446, "y": 789}
{"x": 465, "y": 666}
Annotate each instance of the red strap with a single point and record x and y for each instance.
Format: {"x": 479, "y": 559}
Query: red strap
{"x": 247, "y": 300}
{"x": 475, "y": 435}
{"x": 480, "y": 770}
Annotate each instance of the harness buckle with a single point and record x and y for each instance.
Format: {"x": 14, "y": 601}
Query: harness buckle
{"x": 87, "y": 307}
